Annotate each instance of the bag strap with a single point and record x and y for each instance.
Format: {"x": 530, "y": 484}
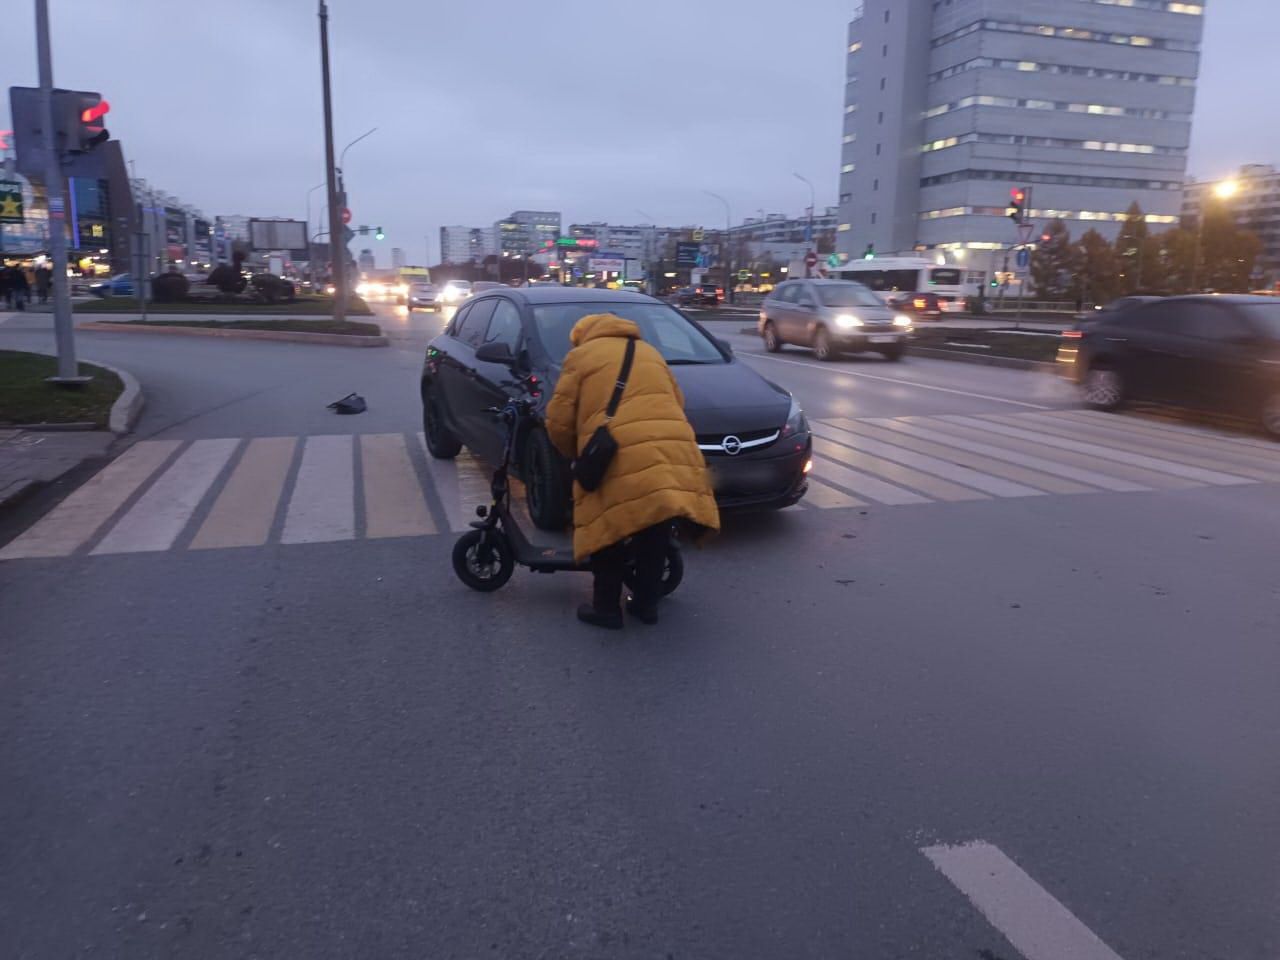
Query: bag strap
{"x": 621, "y": 385}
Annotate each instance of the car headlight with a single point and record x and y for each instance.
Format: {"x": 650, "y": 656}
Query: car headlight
{"x": 847, "y": 321}
{"x": 902, "y": 320}
{"x": 402, "y": 289}
{"x": 796, "y": 423}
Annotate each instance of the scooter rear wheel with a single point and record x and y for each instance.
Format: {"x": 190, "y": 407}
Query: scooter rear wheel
{"x": 672, "y": 572}
{"x": 483, "y": 560}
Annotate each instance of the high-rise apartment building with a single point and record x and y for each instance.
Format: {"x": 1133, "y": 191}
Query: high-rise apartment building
{"x": 466, "y": 244}
{"x": 526, "y": 231}
{"x": 952, "y": 103}
{"x": 397, "y": 258}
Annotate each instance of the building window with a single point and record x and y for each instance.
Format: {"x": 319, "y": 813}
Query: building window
{"x": 877, "y": 149}
{"x": 844, "y": 228}
{"x": 873, "y": 219}
{"x": 1030, "y": 66}
{"x": 880, "y": 119}
{"x": 855, "y": 46}
{"x": 875, "y": 184}
{"x": 882, "y": 83}
{"x": 884, "y": 51}
{"x": 850, "y": 137}
{"x": 848, "y": 168}
{"x": 1066, "y": 33}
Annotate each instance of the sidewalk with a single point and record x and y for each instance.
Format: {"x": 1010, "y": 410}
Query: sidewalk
{"x": 29, "y": 458}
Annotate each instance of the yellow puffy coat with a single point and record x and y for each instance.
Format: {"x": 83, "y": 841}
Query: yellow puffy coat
{"x": 658, "y": 472}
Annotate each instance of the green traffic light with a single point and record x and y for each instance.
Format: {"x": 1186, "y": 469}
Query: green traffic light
{"x": 379, "y": 235}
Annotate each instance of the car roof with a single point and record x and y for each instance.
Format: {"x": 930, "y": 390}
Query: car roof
{"x": 1229, "y": 298}
{"x": 554, "y": 293}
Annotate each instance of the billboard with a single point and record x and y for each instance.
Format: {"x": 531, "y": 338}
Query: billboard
{"x": 687, "y": 254}
{"x": 603, "y": 264}
{"x": 278, "y": 235}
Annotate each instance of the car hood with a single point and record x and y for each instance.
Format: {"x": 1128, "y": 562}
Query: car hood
{"x": 730, "y": 398}
{"x": 881, "y": 314}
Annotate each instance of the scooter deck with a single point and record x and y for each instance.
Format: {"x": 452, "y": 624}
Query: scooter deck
{"x": 542, "y": 550}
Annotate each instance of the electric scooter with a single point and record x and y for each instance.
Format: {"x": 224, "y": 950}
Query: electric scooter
{"x": 486, "y": 555}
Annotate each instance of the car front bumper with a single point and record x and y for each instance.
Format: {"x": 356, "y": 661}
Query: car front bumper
{"x": 868, "y": 339}
{"x": 771, "y": 479}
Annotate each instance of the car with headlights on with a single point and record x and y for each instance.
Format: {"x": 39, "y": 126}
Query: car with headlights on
{"x": 422, "y": 296}
{"x": 832, "y": 317}
{"x": 453, "y": 293}
{"x": 752, "y": 432}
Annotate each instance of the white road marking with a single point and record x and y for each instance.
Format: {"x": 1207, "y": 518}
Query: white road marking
{"x": 245, "y": 509}
{"x": 393, "y": 502}
{"x": 156, "y": 520}
{"x": 444, "y": 478}
{"x": 77, "y": 518}
{"x": 828, "y": 498}
{"x": 903, "y": 383}
{"x": 924, "y": 483}
{"x": 1104, "y": 453}
{"x": 863, "y": 485}
{"x": 1038, "y": 926}
{"x": 995, "y": 486}
{"x": 322, "y": 507}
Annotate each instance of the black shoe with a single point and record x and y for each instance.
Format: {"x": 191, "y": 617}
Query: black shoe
{"x": 645, "y": 613}
{"x": 610, "y": 621}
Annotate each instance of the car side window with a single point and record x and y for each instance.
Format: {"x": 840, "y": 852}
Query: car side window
{"x": 458, "y": 319}
{"x": 475, "y": 323}
{"x": 1212, "y": 321}
{"x": 505, "y": 326}
{"x": 788, "y": 293}
{"x": 806, "y": 297}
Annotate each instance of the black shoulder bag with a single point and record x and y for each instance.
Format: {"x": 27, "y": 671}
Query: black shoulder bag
{"x": 592, "y": 463}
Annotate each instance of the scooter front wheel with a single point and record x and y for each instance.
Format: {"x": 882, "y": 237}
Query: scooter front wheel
{"x": 483, "y": 560}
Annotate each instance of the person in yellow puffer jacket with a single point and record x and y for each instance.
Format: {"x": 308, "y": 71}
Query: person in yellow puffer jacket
{"x": 657, "y": 476}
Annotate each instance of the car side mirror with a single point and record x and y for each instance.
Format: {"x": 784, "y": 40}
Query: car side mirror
{"x": 725, "y": 345}
{"x": 496, "y": 352}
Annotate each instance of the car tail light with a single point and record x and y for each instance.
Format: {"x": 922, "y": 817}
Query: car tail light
{"x": 920, "y": 303}
{"x": 720, "y": 293}
{"x": 1073, "y": 334}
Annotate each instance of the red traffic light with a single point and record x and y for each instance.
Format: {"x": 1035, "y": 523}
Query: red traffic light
{"x": 97, "y": 112}
{"x": 1018, "y": 194}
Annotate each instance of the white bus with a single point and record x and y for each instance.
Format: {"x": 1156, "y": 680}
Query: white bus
{"x": 894, "y": 277}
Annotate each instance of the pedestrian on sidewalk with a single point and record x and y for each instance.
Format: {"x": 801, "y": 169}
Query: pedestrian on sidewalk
{"x": 19, "y": 288}
{"x": 656, "y": 477}
{"x": 6, "y": 285}
{"x": 44, "y": 278}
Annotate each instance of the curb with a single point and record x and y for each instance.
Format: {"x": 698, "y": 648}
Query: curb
{"x": 287, "y": 336}
{"x": 124, "y": 412}
{"x": 1013, "y": 363}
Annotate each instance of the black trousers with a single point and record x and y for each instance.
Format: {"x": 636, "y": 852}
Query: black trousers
{"x": 648, "y": 550}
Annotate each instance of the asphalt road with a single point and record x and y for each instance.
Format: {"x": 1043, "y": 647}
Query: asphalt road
{"x": 969, "y": 724}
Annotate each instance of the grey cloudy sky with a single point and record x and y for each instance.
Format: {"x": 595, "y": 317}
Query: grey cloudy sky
{"x": 596, "y": 110}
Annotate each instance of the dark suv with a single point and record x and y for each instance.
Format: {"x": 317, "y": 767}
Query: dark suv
{"x": 753, "y": 434}
{"x": 1218, "y": 353}
{"x": 700, "y": 295}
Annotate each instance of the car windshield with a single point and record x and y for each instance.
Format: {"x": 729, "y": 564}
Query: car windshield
{"x": 847, "y": 295}
{"x": 679, "y": 341}
{"x": 1266, "y": 316}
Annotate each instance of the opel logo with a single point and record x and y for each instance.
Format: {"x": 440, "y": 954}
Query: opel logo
{"x": 732, "y": 446}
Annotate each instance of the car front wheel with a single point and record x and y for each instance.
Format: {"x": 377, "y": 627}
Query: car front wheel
{"x": 1103, "y": 388}
{"x": 441, "y": 443}
{"x": 547, "y": 484}
{"x": 771, "y": 341}
{"x": 822, "y": 348}
{"x": 894, "y": 353}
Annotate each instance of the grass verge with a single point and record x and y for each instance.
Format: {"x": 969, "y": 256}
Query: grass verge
{"x": 990, "y": 343}
{"x": 303, "y": 306}
{"x": 347, "y": 328}
{"x": 25, "y": 397}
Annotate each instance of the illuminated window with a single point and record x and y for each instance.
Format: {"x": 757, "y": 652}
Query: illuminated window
{"x": 855, "y": 46}
{"x": 844, "y": 228}
{"x": 848, "y": 168}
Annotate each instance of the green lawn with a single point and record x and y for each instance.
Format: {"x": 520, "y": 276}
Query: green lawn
{"x": 305, "y": 306}
{"x": 349, "y": 328}
{"x": 25, "y": 397}
{"x": 990, "y": 343}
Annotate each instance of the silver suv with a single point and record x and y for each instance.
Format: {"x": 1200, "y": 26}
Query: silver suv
{"x": 832, "y": 317}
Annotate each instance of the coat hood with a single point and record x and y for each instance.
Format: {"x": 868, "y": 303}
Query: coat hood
{"x": 599, "y": 325}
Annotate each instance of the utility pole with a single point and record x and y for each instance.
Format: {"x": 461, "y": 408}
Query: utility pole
{"x": 337, "y": 249}
{"x": 56, "y": 188}
{"x": 809, "y": 237}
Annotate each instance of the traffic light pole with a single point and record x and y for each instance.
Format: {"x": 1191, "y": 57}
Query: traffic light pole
{"x": 337, "y": 249}
{"x": 55, "y": 188}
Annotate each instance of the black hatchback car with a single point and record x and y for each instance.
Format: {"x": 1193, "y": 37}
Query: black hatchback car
{"x": 753, "y": 434}
{"x": 1217, "y": 353}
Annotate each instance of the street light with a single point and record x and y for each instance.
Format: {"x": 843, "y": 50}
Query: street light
{"x": 813, "y": 203}
{"x": 728, "y": 256}
{"x": 342, "y": 156}
{"x": 1223, "y": 190}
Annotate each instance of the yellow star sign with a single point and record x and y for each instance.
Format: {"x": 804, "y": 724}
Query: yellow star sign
{"x": 10, "y": 207}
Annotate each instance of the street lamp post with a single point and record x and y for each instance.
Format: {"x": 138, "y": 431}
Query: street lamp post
{"x": 309, "y": 193}
{"x": 337, "y": 249}
{"x": 813, "y": 202}
{"x": 1223, "y": 190}
{"x": 728, "y": 251}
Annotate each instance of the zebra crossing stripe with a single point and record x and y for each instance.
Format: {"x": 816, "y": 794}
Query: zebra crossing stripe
{"x": 322, "y": 507}
{"x": 76, "y": 519}
{"x": 444, "y": 478}
{"x": 995, "y": 486}
{"x": 1195, "y": 474}
{"x": 159, "y": 516}
{"x": 863, "y": 485}
{"x": 393, "y": 501}
{"x": 927, "y": 484}
{"x": 828, "y": 498}
{"x": 245, "y": 509}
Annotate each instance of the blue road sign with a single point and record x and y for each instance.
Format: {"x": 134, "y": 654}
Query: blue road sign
{"x": 1024, "y": 257}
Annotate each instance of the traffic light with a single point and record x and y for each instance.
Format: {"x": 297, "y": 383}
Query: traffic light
{"x": 870, "y": 252}
{"x": 1017, "y": 204}
{"x": 995, "y": 282}
{"x": 82, "y": 119}
{"x": 378, "y": 234}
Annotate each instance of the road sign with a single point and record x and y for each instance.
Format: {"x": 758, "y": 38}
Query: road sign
{"x": 810, "y": 259}
{"x": 699, "y": 235}
{"x": 1025, "y": 230}
{"x": 744, "y": 274}
{"x": 833, "y": 260}
{"x": 1024, "y": 257}
{"x": 687, "y": 254}
{"x": 346, "y": 214}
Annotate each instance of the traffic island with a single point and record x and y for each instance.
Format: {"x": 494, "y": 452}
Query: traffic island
{"x": 318, "y": 307}
{"x": 29, "y": 401}
{"x": 345, "y": 333}
{"x": 1023, "y": 349}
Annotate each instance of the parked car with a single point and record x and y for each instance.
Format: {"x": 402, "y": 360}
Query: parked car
{"x": 753, "y": 433}
{"x": 832, "y": 317}
{"x": 121, "y": 285}
{"x": 453, "y": 292}
{"x": 423, "y": 295}
{"x": 700, "y": 295}
{"x": 925, "y": 306}
{"x": 1217, "y": 353}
